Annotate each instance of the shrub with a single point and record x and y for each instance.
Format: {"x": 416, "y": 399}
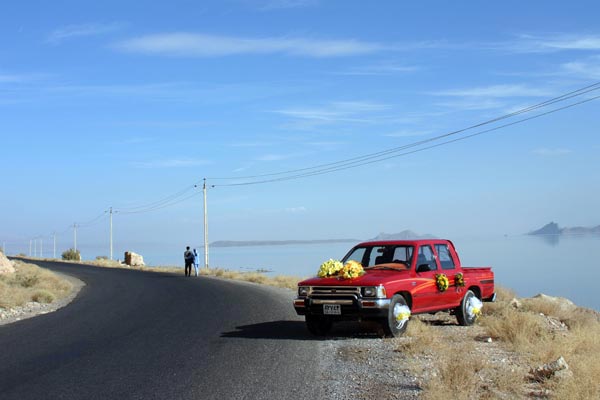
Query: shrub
{"x": 101, "y": 258}
{"x": 71, "y": 254}
{"x": 43, "y": 296}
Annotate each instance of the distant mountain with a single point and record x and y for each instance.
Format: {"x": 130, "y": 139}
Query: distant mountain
{"x": 553, "y": 229}
{"x": 404, "y": 235}
{"x": 241, "y": 243}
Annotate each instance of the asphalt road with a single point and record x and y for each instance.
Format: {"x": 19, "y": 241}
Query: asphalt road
{"x": 143, "y": 335}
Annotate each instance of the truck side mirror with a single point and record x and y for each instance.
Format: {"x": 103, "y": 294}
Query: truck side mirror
{"x": 423, "y": 268}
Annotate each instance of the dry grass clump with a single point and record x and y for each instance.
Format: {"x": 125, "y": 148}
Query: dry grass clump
{"x": 523, "y": 331}
{"x": 457, "y": 377}
{"x": 31, "y": 283}
{"x": 419, "y": 338}
{"x": 544, "y": 329}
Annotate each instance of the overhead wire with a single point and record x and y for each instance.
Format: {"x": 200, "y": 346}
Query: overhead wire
{"x": 382, "y": 156}
{"x": 563, "y": 97}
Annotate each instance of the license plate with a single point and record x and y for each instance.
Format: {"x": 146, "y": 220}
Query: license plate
{"x": 332, "y": 309}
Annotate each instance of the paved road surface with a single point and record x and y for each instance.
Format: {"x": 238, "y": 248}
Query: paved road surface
{"x": 142, "y": 335}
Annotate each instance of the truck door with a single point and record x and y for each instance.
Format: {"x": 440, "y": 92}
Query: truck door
{"x": 453, "y": 294}
{"x": 426, "y": 295}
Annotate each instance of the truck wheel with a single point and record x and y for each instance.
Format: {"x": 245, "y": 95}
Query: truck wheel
{"x": 464, "y": 312}
{"x": 397, "y": 320}
{"x": 318, "y": 326}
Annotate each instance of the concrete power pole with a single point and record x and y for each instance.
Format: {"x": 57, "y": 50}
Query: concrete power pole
{"x": 35, "y": 247}
{"x": 205, "y": 228}
{"x": 111, "y": 242}
{"x": 42, "y": 247}
{"x": 75, "y": 236}
{"x": 29, "y": 247}
{"x": 54, "y": 253}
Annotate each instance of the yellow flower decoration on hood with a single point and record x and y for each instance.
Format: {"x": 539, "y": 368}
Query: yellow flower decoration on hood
{"x": 352, "y": 269}
{"x": 329, "y": 268}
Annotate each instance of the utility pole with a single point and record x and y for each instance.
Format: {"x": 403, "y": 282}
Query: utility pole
{"x": 29, "y": 247}
{"x": 54, "y": 253}
{"x": 111, "y": 244}
{"x": 75, "y": 236}
{"x": 35, "y": 247}
{"x": 205, "y": 228}
{"x": 41, "y": 247}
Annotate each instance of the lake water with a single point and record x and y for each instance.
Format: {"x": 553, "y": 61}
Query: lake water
{"x": 563, "y": 266}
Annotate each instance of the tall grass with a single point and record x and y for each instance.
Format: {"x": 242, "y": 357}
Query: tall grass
{"x": 528, "y": 330}
{"x": 31, "y": 283}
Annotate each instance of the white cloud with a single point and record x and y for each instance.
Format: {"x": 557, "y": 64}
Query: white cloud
{"x": 551, "y": 152}
{"x": 170, "y": 163}
{"x": 201, "y": 45}
{"x": 558, "y": 42}
{"x": 587, "y": 69}
{"x": 496, "y": 91}
{"x": 274, "y": 157}
{"x": 380, "y": 69}
{"x": 73, "y": 31}
{"x": 341, "y": 111}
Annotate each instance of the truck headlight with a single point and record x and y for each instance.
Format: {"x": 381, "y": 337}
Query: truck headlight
{"x": 369, "y": 291}
{"x": 303, "y": 291}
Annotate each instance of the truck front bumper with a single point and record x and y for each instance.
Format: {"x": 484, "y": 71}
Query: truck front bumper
{"x": 350, "y": 309}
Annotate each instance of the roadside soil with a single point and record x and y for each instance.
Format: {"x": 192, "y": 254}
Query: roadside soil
{"x": 33, "y": 309}
{"x": 364, "y": 366}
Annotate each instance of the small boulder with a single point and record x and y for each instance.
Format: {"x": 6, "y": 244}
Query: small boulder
{"x": 560, "y": 302}
{"x": 133, "y": 259}
{"x": 6, "y": 266}
{"x": 555, "y": 369}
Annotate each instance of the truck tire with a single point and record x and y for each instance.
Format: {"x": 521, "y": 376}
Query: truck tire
{"x": 463, "y": 316}
{"x": 392, "y": 326}
{"x": 318, "y": 326}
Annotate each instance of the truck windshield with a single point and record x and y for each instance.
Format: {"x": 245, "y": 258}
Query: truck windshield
{"x": 370, "y": 256}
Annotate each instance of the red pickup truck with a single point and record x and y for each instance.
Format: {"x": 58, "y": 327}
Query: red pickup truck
{"x": 395, "y": 279}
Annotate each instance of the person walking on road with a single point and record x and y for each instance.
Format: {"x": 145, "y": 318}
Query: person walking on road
{"x": 188, "y": 256}
{"x": 196, "y": 261}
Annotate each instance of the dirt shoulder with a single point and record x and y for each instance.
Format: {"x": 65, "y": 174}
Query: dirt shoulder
{"x": 31, "y": 309}
{"x": 514, "y": 351}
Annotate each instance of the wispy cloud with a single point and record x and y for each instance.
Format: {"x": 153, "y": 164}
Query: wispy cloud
{"x": 380, "y": 69}
{"x": 170, "y": 163}
{"x": 551, "y": 152}
{"x": 555, "y": 42}
{"x": 587, "y": 69}
{"x": 347, "y": 111}
{"x": 275, "y": 157}
{"x": 73, "y": 31}
{"x": 202, "y": 45}
{"x": 496, "y": 91}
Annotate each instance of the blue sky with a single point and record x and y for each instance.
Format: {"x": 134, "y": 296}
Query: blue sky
{"x": 112, "y": 104}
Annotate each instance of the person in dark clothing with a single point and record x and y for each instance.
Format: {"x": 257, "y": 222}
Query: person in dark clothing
{"x": 188, "y": 256}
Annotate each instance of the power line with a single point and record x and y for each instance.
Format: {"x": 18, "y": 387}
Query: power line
{"x": 154, "y": 208}
{"x": 563, "y": 97}
{"x": 380, "y": 156}
{"x": 156, "y": 203}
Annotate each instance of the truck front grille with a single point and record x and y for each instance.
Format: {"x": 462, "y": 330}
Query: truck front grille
{"x": 335, "y": 291}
